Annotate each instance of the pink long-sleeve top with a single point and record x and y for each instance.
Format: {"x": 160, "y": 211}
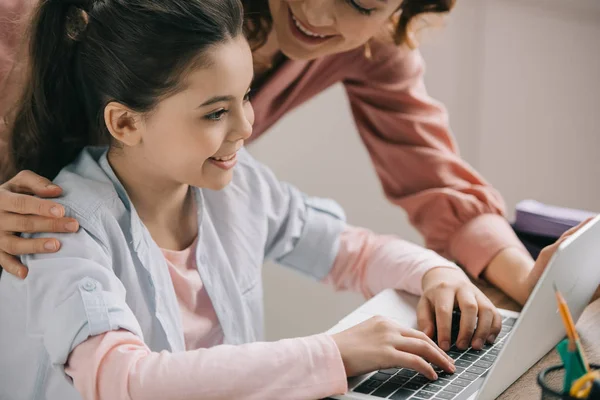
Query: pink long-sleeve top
{"x": 118, "y": 365}
{"x": 405, "y": 131}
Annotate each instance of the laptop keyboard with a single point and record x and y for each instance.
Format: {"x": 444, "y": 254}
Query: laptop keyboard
{"x": 471, "y": 364}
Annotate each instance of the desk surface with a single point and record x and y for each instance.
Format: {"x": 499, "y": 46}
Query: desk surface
{"x": 588, "y": 327}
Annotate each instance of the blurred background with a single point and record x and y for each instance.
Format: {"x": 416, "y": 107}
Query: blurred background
{"x": 521, "y": 82}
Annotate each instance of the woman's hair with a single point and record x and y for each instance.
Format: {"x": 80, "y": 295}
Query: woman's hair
{"x": 259, "y": 22}
{"x": 85, "y": 54}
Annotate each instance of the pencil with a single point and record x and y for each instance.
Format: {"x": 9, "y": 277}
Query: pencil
{"x": 574, "y": 342}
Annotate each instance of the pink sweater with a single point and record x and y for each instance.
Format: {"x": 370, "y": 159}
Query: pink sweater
{"x": 118, "y": 365}
{"x": 405, "y": 131}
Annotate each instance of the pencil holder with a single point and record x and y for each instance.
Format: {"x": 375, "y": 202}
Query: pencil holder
{"x": 551, "y": 382}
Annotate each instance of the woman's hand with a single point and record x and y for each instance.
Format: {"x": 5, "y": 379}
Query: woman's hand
{"x": 544, "y": 258}
{"x": 380, "y": 343}
{"x": 21, "y": 212}
{"x": 514, "y": 271}
{"x": 443, "y": 289}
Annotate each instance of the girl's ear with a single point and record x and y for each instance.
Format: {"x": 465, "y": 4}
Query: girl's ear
{"x": 123, "y": 124}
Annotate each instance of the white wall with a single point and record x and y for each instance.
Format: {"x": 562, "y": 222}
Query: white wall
{"x": 521, "y": 82}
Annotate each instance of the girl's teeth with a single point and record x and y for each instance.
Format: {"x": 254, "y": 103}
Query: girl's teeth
{"x": 306, "y": 31}
{"x": 223, "y": 158}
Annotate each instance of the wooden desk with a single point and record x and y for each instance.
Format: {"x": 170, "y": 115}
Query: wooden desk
{"x": 588, "y": 327}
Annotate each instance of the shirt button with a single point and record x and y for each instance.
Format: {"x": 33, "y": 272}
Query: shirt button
{"x": 89, "y": 286}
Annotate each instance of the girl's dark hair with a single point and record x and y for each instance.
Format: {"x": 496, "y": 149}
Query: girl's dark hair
{"x": 85, "y": 54}
{"x": 259, "y": 22}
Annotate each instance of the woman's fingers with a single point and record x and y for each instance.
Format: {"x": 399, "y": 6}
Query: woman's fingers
{"x": 11, "y": 222}
{"x": 576, "y": 228}
{"x": 16, "y": 246}
{"x": 28, "y": 182}
{"x": 12, "y": 265}
{"x": 26, "y": 204}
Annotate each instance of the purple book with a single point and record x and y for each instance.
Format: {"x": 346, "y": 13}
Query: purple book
{"x": 536, "y": 218}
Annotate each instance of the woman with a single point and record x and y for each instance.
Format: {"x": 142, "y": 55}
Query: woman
{"x": 301, "y": 47}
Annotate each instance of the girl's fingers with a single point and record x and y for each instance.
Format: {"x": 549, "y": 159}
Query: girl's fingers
{"x": 468, "y": 317}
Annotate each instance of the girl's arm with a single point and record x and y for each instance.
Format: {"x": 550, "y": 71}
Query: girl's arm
{"x": 118, "y": 365}
{"x": 369, "y": 263}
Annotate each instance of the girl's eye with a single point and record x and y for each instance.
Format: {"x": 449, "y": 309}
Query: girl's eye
{"x": 359, "y": 8}
{"x": 248, "y": 96}
{"x": 217, "y": 115}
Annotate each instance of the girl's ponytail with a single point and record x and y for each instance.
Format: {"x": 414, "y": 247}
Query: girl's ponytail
{"x": 51, "y": 126}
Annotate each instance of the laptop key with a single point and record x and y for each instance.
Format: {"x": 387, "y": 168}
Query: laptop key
{"x": 386, "y": 389}
{"x": 409, "y": 373}
{"x": 476, "y": 352}
{"x": 468, "y": 376}
{"x": 462, "y": 363}
{"x": 445, "y": 395}
{"x": 448, "y": 375}
{"x": 432, "y": 387}
{"x": 509, "y": 321}
{"x": 423, "y": 394}
{"x": 389, "y": 371}
{"x": 489, "y": 358}
{"x": 476, "y": 370}
{"x": 469, "y": 357}
{"x": 456, "y": 349}
{"x": 420, "y": 379}
{"x": 458, "y": 370}
{"x": 380, "y": 377}
{"x": 453, "y": 389}
{"x": 442, "y": 381}
{"x": 493, "y": 352}
{"x": 413, "y": 386}
{"x": 454, "y": 355}
{"x": 461, "y": 382}
{"x": 483, "y": 364}
{"x": 402, "y": 394}
{"x": 367, "y": 387}
{"x": 400, "y": 380}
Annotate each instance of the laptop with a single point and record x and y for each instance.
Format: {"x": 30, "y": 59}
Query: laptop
{"x": 524, "y": 339}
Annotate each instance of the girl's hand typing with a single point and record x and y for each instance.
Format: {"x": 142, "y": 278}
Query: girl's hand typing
{"x": 445, "y": 288}
{"x": 380, "y": 343}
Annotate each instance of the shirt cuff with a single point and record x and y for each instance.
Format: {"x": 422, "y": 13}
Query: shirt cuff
{"x": 88, "y": 312}
{"x": 319, "y": 243}
{"x": 334, "y": 364}
{"x": 480, "y": 240}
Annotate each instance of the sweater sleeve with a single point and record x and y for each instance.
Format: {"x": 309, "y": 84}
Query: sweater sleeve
{"x": 416, "y": 158}
{"x": 118, "y": 366}
{"x": 369, "y": 263}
